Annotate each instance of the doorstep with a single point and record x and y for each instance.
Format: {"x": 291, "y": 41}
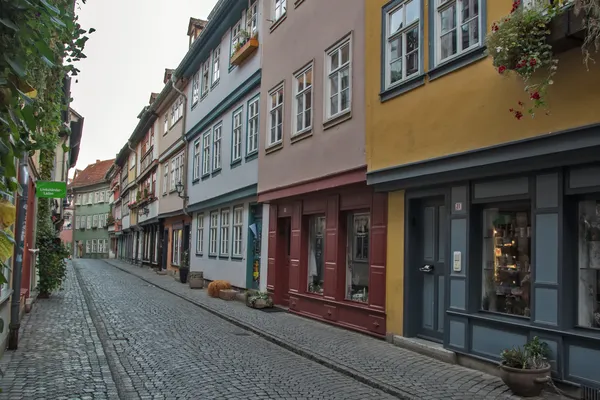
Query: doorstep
{"x": 425, "y": 347}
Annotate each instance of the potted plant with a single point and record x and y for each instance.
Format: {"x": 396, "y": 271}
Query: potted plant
{"x": 184, "y": 268}
{"x": 526, "y": 370}
{"x": 259, "y": 300}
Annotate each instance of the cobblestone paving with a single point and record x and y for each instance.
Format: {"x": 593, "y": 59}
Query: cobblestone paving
{"x": 398, "y": 371}
{"x": 60, "y": 355}
{"x": 160, "y": 346}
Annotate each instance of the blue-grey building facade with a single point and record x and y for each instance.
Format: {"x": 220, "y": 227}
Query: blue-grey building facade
{"x": 223, "y": 67}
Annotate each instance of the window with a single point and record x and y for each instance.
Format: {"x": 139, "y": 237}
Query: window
{"x": 174, "y": 169}
{"x": 402, "y": 47}
{"x": 316, "y": 254}
{"x": 165, "y": 177}
{"x": 276, "y": 115}
{"x": 205, "y": 77}
{"x": 216, "y": 60}
{"x": 506, "y": 257}
{"x": 88, "y": 247}
{"x": 176, "y": 110}
{"x": 252, "y": 19}
{"x": 457, "y": 27}
{"x": 357, "y": 263}
{"x": 88, "y": 224}
{"x": 100, "y": 246}
{"x": 78, "y": 201}
{"x": 95, "y": 221}
{"x": 236, "y": 140}
{"x": 77, "y": 222}
{"x": 197, "y": 156}
{"x": 125, "y": 204}
{"x": 589, "y": 264}
{"x": 179, "y": 174}
{"x": 303, "y": 100}
{"x": 238, "y": 231}
{"x": 224, "y": 247}
{"x": 94, "y": 246}
{"x": 338, "y": 87}
{"x": 212, "y": 233}
{"x": 217, "y": 147}
{"x": 199, "y": 233}
{"x": 177, "y": 244}
{"x": 166, "y": 124}
{"x": 100, "y": 221}
{"x": 206, "y": 154}
{"x": 252, "y": 127}
{"x": 280, "y": 7}
{"x": 106, "y": 245}
{"x": 236, "y": 36}
{"x": 132, "y": 161}
{"x": 196, "y": 88}
{"x": 101, "y": 197}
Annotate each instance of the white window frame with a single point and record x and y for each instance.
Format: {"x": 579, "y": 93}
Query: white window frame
{"x": 252, "y": 18}
{"x": 88, "y": 224}
{"x": 441, "y": 5}
{"x": 274, "y": 109}
{"x": 176, "y": 246}
{"x": 101, "y": 197}
{"x": 213, "y": 234}
{"x": 165, "y": 183}
{"x": 78, "y": 201}
{"x": 224, "y": 232}
{"x": 77, "y": 222}
{"x": 88, "y": 246}
{"x": 206, "y": 146}
{"x": 252, "y": 126}
{"x": 94, "y": 245}
{"x": 336, "y": 74}
{"x": 196, "y": 88}
{"x": 237, "y": 232}
{"x": 236, "y": 135}
{"x": 173, "y": 172}
{"x": 200, "y": 234}
{"x": 106, "y": 245}
{"x": 100, "y": 246}
{"x": 306, "y": 91}
{"x": 166, "y": 124}
{"x": 205, "y": 79}
{"x": 217, "y": 146}
{"x": 96, "y": 197}
{"x": 95, "y": 221}
{"x": 216, "y": 65}
{"x": 197, "y": 159}
{"x": 236, "y": 34}
{"x": 279, "y": 9}
{"x": 402, "y": 34}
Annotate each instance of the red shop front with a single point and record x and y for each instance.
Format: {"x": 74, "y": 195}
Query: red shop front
{"x": 327, "y": 255}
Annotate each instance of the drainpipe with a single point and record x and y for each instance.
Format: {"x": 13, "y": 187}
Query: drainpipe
{"x": 185, "y": 155}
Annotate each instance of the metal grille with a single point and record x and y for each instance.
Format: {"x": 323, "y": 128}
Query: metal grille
{"x": 590, "y": 393}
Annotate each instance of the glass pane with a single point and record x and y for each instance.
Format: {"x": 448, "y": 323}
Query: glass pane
{"x": 299, "y": 121}
{"x": 448, "y": 44}
{"x": 316, "y": 247}
{"x": 280, "y": 96}
{"x": 345, "y": 103}
{"x": 333, "y": 84}
{"x": 307, "y": 99}
{"x": 412, "y": 12}
{"x": 308, "y": 78}
{"x": 396, "y": 48}
{"x": 470, "y": 34}
{"x": 506, "y": 260}
{"x": 357, "y": 268}
{"x": 307, "y": 118}
{"x": 334, "y": 104}
{"x": 412, "y": 63}
{"x": 470, "y": 8}
{"x": 412, "y": 39}
{"x": 334, "y": 60}
{"x": 346, "y": 53}
{"x": 396, "y": 21}
{"x": 300, "y": 83}
{"x": 589, "y": 264}
{"x": 300, "y": 107}
{"x": 396, "y": 71}
{"x": 345, "y": 78}
{"x": 448, "y": 17}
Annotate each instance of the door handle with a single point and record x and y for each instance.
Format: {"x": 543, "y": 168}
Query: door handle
{"x": 426, "y": 269}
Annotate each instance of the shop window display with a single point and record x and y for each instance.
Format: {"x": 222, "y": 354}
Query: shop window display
{"x": 589, "y": 264}
{"x": 506, "y": 260}
{"x": 316, "y": 247}
{"x": 357, "y": 262}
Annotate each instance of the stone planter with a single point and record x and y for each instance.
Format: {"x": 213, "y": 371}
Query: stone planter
{"x": 227, "y": 294}
{"x": 525, "y": 382}
{"x": 196, "y": 280}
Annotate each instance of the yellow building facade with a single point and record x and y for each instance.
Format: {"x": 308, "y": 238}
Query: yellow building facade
{"x": 492, "y": 219}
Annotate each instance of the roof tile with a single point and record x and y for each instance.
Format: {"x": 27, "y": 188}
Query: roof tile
{"x": 92, "y": 174}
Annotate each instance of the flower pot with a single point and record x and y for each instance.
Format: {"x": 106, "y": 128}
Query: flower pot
{"x": 196, "y": 280}
{"x": 227, "y": 294}
{"x": 525, "y": 382}
{"x": 183, "y": 274}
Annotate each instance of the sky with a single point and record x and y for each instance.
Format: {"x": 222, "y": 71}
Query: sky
{"x": 135, "y": 40}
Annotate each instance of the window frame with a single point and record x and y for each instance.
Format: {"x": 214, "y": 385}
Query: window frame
{"x": 205, "y": 78}
{"x": 197, "y": 159}
{"x": 213, "y": 234}
{"x": 310, "y": 219}
{"x": 200, "y": 234}
{"x": 88, "y": 224}
{"x": 252, "y": 17}
{"x": 165, "y": 183}
{"x": 336, "y": 48}
{"x": 216, "y": 61}
{"x": 297, "y": 94}
{"x": 77, "y": 221}
{"x": 196, "y": 88}
{"x": 237, "y": 229}
{"x": 252, "y": 135}
{"x": 206, "y": 153}
{"x": 272, "y": 109}
{"x": 224, "y": 225}
{"x": 217, "y": 157}
{"x": 174, "y": 169}
{"x": 280, "y": 5}
{"x": 176, "y": 246}
{"x": 88, "y": 246}
{"x": 237, "y": 141}
{"x": 94, "y": 246}
{"x": 352, "y": 215}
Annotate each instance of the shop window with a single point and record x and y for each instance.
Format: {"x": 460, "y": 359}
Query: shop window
{"x": 357, "y": 261}
{"x": 176, "y": 246}
{"x": 506, "y": 278}
{"x": 316, "y": 252}
{"x": 589, "y": 264}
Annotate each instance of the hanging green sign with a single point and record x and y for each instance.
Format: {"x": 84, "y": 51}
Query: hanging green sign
{"x": 51, "y": 190}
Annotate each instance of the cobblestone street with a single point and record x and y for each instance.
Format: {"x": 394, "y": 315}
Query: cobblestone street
{"x": 112, "y": 334}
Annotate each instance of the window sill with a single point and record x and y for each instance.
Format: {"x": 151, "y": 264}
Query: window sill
{"x": 237, "y": 258}
{"x": 276, "y": 24}
{"x": 274, "y": 147}
{"x": 213, "y": 256}
{"x": 194, "y": 105}
{"x": 297, "y": 3}
{"x": 205, "y": 176}
{"x": 204, "y": 96}
{"x": 195, "y": 181}
{"x": 457, "y": 63}
{"x": 216, "y": 172}
{"x": 301, "y": 135}
{"x": 236, "y": 163}
{"x": 199, "y": 255}
{"x": 214, "y": 84}
{"x": 401, "y": 88}
{"x": 337, "y": 119}
{"x": 223, "y": 257}
{"x": 251, "y": 156}
{"x": 231, "y": 66}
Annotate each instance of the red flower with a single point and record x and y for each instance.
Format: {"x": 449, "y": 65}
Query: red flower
{"x": 521, "y": 103}
{"x": 518, "y": 115}
{"x": 535, "y": 96}
{"x": 511, "y": 110}
{"x": 495, "y": 27}
{"x": 501, "y": 69}
{"x": 532, "y": 62}
{"x": 515, "y": 6}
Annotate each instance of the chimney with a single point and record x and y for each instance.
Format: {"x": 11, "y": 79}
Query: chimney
{"x": 97, "y": 161}
{"x": 168, "y": 73}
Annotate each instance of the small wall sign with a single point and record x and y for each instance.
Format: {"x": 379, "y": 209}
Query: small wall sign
{"x": 457, "y": 264}
{"x": 458, "y": 206}
{"x": 51, "y": 190}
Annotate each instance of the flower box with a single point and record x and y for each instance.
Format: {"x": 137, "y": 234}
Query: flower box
{"x": 567, "y": 31}
{"x": 244, "y": 52}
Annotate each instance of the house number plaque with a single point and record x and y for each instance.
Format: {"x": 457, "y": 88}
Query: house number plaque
{"x": 457, "y": 265}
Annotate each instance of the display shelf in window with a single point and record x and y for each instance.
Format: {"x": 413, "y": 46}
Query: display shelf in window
{"x": 506, "y": 261}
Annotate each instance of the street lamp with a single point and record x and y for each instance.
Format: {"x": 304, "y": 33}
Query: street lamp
{"x": 179, "y": 188}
